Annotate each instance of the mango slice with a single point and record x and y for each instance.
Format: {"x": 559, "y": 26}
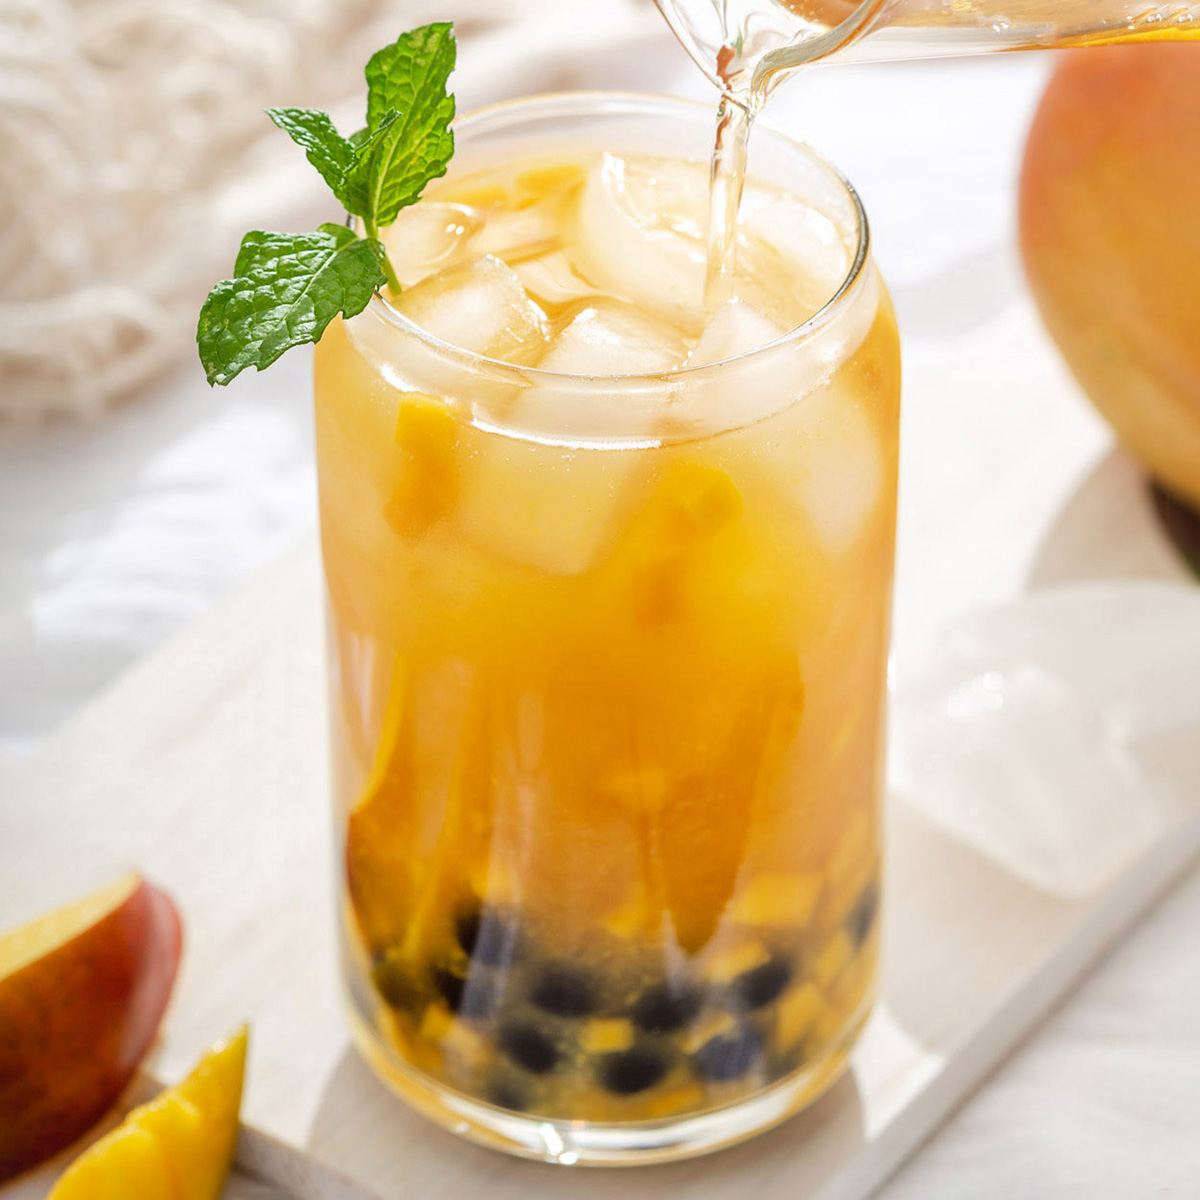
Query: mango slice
{"x": 179, "y": 1146}
{"x": 380, "y": 831}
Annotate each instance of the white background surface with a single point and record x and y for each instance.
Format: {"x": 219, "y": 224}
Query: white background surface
{"x": 113, "y": 535}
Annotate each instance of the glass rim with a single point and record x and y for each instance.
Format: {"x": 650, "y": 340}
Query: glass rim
{"x": 630, "y": 102}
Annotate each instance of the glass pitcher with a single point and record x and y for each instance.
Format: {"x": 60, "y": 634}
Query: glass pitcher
{"x": 746, "y": 46}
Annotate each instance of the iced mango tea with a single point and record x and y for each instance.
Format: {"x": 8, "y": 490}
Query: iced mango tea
{"x": 608, "y": 592}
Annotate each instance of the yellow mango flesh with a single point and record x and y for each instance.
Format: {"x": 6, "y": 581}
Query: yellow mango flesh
{"x": 179, "y": 1146}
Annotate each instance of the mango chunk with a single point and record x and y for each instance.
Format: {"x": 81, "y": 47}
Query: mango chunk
{"x": 798, "y": 1012}
{"x": 692, "y": 503}
{"x": 832, "y": 960}
{"x": 777, "y": 899}
{"x": 537, "y": 183}
{"x": 686, "y": 1097}
{"x": 855, "y": 863}
{"x": 602, "y": 1036}
{"x": 427, "y": 433}
{"x": 715, "y": 1024}
{"x": 728, "y": 963}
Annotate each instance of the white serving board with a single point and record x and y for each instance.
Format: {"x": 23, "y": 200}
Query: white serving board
{"x": 37, "y": 1185}
{"x": 206, "y": 768}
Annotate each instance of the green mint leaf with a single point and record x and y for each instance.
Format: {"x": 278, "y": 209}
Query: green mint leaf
{"x": 326, "y": 149}
{"x": 341, "y": 161}
{"x": 399, "y": 158}
{"x": 377, "y": 247}
{"x": 391, "y": 171}
{"x": 339, "y": 232}
{"x": 287, "y": 288}
{"x": 410, "y": 72}
{"x": 356, "y": 184}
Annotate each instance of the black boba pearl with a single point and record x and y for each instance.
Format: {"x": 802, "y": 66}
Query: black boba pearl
{"x": 485, "y": 936}
{"x": 528, "y": 1047}
{"x": 729, "y": 1055}
{"x": 476, "y": 996}
{"x": 450, "y": 987}
{"x": 564, "y": 991}
{"x": 784, "y": 1064}
{"x": 505, "y": 1093}
{"x": 467, "y": 925}
{"x": 862, "y": 915}
{"x": 626, "y": 1072}
{"x": 662, "y": 1008}
{"x": 760, "y": 985}
{"x": 393, "y": 984}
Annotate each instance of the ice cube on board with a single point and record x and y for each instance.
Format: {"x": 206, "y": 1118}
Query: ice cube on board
{"x": 1055, "y": 734}
{"x": 481, "y": 307}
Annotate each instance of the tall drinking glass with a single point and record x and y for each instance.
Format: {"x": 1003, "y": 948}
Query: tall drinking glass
{"x": 607, "y": 646}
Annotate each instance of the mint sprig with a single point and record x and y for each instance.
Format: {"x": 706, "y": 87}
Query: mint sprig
{"x": 288, "y": 287}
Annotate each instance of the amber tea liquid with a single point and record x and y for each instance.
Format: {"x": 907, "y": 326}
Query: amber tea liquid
{"x": 608, "y": 607}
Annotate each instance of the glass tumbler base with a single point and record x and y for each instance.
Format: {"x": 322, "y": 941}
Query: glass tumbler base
{"x": 625, "y": 1144}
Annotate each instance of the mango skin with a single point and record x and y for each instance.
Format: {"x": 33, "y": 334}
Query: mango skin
{"x": 75, "y": 1023}
{"x": 1110, "y": 235}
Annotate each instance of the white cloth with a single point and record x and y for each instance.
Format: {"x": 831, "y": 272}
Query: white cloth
{"x": 136, "y": 154}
